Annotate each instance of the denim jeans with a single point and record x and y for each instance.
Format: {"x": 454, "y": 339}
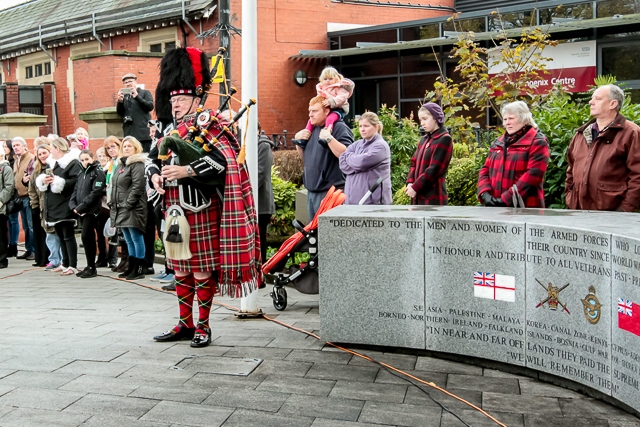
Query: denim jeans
{"x": 53, "y": 243}
{"x": 135, "y": 241}
{"x": 14, "y": 228}
{"x": 27, "y": 226}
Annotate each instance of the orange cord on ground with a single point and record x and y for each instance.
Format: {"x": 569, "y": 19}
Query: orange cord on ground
{"x": 355, "y": 353}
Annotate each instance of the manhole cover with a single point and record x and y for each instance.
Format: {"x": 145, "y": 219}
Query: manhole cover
{"x": 219, "y": 365}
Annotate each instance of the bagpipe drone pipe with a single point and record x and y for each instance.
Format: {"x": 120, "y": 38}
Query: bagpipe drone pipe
{"x": 198, "y": 136}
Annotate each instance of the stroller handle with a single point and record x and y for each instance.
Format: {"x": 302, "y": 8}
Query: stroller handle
{"x": 373, "y": 188}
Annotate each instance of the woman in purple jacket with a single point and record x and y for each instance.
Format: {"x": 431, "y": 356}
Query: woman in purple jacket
{"x": 365, "y": 161}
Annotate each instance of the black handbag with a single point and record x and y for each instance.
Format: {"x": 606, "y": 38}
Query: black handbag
{"x": 14, "y": 204}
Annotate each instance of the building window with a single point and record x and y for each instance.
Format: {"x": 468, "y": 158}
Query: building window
{"x": 158, "y": 47}
{"x": 30, "y": 99}
{"x": 28, "y": 72}
{"x": 47, "y": 68}
{"x": 3, "y": 106}
{"x": 38, "y": 69}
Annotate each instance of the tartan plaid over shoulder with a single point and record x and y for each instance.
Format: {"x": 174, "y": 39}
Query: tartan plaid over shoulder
{"x": 428, "y": 170}
{"x": 523, "y": 163}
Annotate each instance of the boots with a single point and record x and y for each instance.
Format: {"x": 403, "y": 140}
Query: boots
{"x": 12, "y": 251}
{"x": 124, "y": 260}
{"x": 137, "y": 272}
{"x": 131, "y": 264}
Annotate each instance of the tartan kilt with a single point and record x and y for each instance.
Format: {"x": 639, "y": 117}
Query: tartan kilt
{"x": 204, "y": 235}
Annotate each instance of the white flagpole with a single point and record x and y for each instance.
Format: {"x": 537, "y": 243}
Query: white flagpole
{"x": 249, "y": 87}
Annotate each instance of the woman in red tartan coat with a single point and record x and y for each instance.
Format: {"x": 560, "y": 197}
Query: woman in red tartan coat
{"x": 517, "y": 159}
{"x": 426, "y": 182}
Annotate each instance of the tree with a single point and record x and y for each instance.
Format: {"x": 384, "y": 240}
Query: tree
{"x": 517, "y": 63}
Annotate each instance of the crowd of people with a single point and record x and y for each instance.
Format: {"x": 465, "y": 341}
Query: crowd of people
{"x": 60, "y": 186}
{"x": 603, "y": 157}
{"x": 121, "y": 195}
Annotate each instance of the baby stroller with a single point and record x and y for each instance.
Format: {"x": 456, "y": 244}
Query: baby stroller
{"x": 304, "y": 277}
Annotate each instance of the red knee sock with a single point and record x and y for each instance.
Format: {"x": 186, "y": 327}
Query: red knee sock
{"x": 205, "y": 289}
{"x": 185, "y": 289}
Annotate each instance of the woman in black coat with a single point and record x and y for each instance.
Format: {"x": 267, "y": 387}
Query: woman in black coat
{"x": 128, "y": 204}
{"x": 58, "y": 183}
{"x": 86, "y": 202}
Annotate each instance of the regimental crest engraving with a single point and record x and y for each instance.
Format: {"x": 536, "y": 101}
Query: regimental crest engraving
{"x": 553, "y": 297}
{"x": 592, "y": 306}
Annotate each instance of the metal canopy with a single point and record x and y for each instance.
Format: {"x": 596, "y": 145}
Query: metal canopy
{"x": 561, "y": 27}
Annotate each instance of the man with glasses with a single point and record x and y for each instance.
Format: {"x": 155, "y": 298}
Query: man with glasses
{"x": 135, "y": 105}
{"x": 22, "y": 168}
{"x": 221, "y": 252}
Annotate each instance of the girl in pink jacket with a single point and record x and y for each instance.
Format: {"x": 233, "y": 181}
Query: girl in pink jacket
{"x": 337, "y": 90}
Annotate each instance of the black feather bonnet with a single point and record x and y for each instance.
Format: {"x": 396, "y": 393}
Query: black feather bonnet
{"x": 182, "y": 71}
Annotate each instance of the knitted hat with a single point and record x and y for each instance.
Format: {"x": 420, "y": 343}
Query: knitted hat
{"x": 183, "y": 71}
{"x": 436, "y": 112}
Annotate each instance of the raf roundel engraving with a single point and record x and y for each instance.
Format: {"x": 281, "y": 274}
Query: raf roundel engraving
{"x": 592, "y": 306}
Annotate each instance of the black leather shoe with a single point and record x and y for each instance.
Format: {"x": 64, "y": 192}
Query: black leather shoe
{"x": 80, "y": 273}
{"x": 101, "y": 264}
{"x": 88, "y": 273}
{"x": 148, "y": 271}
{"x": 4, "y": 264}
{"x": 202, "y": 338}
{"x": 24, "y": 255}
{"x": 12, "y": 251}
{"x": 183, "y": 333}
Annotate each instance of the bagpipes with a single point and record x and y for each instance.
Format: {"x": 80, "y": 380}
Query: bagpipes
{"x": 200, "y": 140}
{"x": 191, "y": 141}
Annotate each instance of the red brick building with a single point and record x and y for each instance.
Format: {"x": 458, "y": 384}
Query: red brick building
{"x": 66, "y": 57}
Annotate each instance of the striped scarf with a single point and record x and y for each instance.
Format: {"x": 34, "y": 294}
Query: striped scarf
{"x": 240, "y": 263}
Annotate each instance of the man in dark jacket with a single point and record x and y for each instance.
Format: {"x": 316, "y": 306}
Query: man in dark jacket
{"x": 320, "y": 151}
{"x": 135, "y": 105}
{"x": 266, "y": 204}
{"x": 604, "y": 158}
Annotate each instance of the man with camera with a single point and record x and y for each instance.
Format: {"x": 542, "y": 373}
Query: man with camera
{"x": 135, "y": 105}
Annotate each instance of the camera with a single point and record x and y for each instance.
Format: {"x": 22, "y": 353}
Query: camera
{"x": 127, "y": 119}
{"x": 126, "y": 91}
{"x": 49, "y": 172}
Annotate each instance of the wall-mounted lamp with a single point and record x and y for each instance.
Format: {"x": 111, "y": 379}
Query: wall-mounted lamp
{"x": 300, "y": 77}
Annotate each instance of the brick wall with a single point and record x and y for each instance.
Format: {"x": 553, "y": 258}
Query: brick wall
{"x": 47, "y": 98}
{"x": 12, "y": 100}
{"x": 100, "y": 90}
{"x": 285, "y": 27}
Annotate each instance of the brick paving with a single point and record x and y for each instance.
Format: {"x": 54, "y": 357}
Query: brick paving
{"x": 77, "y": 352}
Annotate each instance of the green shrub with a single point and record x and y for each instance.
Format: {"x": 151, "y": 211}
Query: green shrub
{"x": 284, "y": 196}
{"x": 460, "y": 150}
{"x": 462, "y": 181}
{"x": 400, "y": 197}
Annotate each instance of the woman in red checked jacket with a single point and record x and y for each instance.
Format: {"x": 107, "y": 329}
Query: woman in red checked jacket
{"x": 426, "y": 182}
{"x": 513, "y": 174}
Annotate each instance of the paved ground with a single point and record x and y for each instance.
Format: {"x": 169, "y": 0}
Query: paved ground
{"x": 79, "y": 352}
